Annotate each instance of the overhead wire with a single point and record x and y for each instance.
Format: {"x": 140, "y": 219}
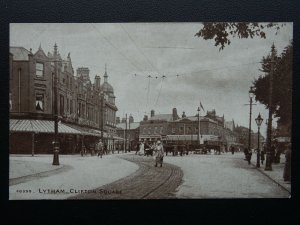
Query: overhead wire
{"x": 117, "y": 49}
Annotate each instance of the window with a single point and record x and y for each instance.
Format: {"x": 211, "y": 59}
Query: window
{"x": 39, "y": 102}
{"x": 67, "y": 105}
{"x": 39, "y": 69}
{"x": 61, "y": 105}
{"x": 173, "y": 130}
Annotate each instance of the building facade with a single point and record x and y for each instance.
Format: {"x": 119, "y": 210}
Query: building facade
{"x": 86, "y": 108}
{"x": 186, "y": 128}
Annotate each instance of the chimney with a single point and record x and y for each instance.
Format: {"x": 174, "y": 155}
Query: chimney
{"x": 152, "y": 113}
{"x": 97, "y": 82}
{"x": 175, "y": 116}
{"x": 117, "y": 120}
{"x": 145, "y": 118}
{"x": 183, "y": 115}
{"x": 131, "y": 120}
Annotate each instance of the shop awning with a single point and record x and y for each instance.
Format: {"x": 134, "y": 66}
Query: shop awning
{"x": 39, "y": 126}
{"x": 86, "y": 131}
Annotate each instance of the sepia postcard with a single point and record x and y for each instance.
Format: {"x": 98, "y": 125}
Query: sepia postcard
{"x": 150, "y": 110}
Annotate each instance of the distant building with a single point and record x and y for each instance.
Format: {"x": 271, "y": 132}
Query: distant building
{"x": 162, "y": 126}
{"x": 229, "y": 125}
{"x": 128, "y": 131}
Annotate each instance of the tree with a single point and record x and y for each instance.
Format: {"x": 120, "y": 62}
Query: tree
{"x": 282, "y": 85}
{"x": 221, "y": 32}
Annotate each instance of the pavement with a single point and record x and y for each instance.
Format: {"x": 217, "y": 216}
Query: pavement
{"x": 74, "y": 175}
{"x": 191, "y": 176}
{"x": 276, "y": 174}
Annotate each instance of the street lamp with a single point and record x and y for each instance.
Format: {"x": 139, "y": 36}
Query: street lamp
{"x": 55, "y": 144}
{"x": 258, "y": 121}
{"x": 251, "y": 95}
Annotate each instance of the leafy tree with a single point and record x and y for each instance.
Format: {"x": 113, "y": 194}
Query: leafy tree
{"x": 282, "y": 85}
{"x": 222, "y": 32}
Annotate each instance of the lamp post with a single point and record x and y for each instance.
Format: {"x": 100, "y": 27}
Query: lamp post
{"x": 251, "y": 95}
{"x": 198, "y": 125}
{"x": 269, "y": 130}
{"x": 258, "y": 121}
{"x": 55, "y": 144}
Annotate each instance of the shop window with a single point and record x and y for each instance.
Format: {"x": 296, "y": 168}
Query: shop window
{"x": 39, "y": 69}
{"x": 39, "y": 102}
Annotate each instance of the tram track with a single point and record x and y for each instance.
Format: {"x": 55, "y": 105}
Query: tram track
{"x": 148, "y": 182}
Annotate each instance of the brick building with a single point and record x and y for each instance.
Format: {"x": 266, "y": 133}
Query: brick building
{"x": 84, "y": 108}
{"x": 165, "y": 126}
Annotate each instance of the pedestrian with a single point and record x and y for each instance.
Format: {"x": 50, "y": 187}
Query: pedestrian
{"x": 262, "y": 156}
{"x": 99, "y": 148}
{"x": 277, "y": 152}
{"x": 232, "y": 150}
{"x": 287, "y": 166}
{"x": 245, "y": 152}
{"x": 249, "y": 155}
{"x": 141, "y": 149}
{"x": 105, "y": 149}
{"x": 159, "y": 154}
{"x": 137, "y": 148}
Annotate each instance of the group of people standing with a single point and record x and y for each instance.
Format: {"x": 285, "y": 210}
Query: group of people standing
{"x": 275, "y": 153}
{"x": 157, "y": 149}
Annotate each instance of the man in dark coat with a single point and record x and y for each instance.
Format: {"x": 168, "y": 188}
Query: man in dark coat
{"x": 249, "y": 155}
{"x": 232, "y": 150}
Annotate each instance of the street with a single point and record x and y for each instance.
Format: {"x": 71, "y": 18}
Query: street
{"x": 223, "y": 176}
{"x": 134, "y": 177}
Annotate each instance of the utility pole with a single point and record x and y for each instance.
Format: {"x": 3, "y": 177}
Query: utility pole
{"x": 198, "y": 125}
{"x": 269, "y": 130}
{"x": 125, "y": 132}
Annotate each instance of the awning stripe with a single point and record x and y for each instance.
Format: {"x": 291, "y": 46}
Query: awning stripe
{"x": 40, "y": 126}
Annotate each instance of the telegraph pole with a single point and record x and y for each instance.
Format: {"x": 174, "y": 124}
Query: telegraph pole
{"x": 126, "y": 132}
{"x": 198, "y": 125}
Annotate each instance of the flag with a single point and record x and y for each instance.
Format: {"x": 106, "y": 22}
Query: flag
{"x": 201, "y": 106}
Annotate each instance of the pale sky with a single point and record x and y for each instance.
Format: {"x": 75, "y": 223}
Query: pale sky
{"x": 219, "y": 79}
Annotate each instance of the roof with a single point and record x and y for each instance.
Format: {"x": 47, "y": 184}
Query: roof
{"x": 195, "y": 118}
{"x": 133, "y": 126}
{"x": 19, "y": 53}
{"x": 39, "y": 126}
{"x": 191, "y": 137}
{"x": 106, "y": 87}
{"x": 165, "y": 117}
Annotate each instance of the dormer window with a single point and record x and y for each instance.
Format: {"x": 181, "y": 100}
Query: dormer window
{"x": 39, "y": 68}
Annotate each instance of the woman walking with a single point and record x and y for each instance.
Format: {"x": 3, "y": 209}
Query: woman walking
{"x": 159, "y": 154}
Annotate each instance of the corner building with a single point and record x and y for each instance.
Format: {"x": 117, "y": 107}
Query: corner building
{"x": 80, "y": 104}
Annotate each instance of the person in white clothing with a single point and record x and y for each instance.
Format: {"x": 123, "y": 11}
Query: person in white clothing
{"x": 142, "y": 149}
